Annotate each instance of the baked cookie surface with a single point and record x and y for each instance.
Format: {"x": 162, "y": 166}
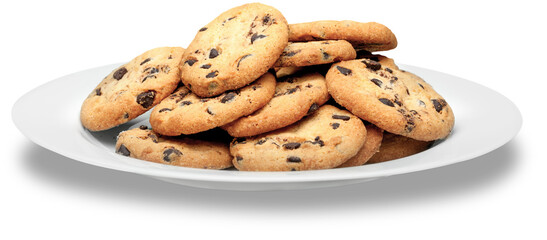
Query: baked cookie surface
{"x": 298, "y": 54}
{"x": 234, "y": 49}
{"x": 370, "y": 36}
{"x": 184, "y": 151}
{"x": 132, "y": 89}
{"x": 183, "y": 112}
{"x": 394, "y": 100}
{"x": 325, "y": 139}
{"x": 295, "y": 97}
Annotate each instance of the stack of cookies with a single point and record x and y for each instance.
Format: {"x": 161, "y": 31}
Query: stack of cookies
{"x": 254, "y": 92}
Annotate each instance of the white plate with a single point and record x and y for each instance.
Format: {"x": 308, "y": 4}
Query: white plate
{"x": 49, "y": 116}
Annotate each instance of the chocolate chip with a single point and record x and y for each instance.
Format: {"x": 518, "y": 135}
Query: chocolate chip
{"x": 410, "y": 125}
{"x": 153, "y": 137}
{"x": 228, "y": 97}
{"x": 123, "y": 150}
{"x": 256, "y": 36}
{"x": 148, "y": 76}
{"x": 342, "y": 117}
{"x": 318, "y": 140}
{"x": 396, "y": 100}
{"x": 143, "y": 127}
{"x": 294, "y": 159}
{"x": 98, "y": 92}
{"x": 184, "y": 103}
{"x": 325, "y": 56}
{"x": 292, "y": 90}
{"x": 170, "y": 153}
{"x": 190, "y": 61}
{"x": 239, "y": 158}
{"x": 164, "y": 110}
{"x": 126, "y": 115}
{"x": 438, "y": 104}
{"x": 372, "y": 65}
{"x": 209, "y": 111}
{"x": 291, "y": 146}
{"x": 313, "y": 108}
{"x": 146, "y": 99}
{"x": 422, "y": 86}
{"x": 261, "y": 141}
{"x": 119, "y": 73}
{"x": 212, "y": 74}
{"x": 291, "y": 53}
{"x": 386, "y": 102}
{"x": 213, "y": 53}
{"x": 376, "y": 81}
{"x": 335, "y": 125}
{"x": 239, "y": 61}
{"x": 343, "y": 70}
{"x": 266, "y": 19}
{"x": 202, "y": 29}
{"x": 389, "y": 70}
{"x": 205, "y": 66}
{"x": 145, "y": 61}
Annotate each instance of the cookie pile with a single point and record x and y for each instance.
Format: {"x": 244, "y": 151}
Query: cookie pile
{"x": 254, "y": 92}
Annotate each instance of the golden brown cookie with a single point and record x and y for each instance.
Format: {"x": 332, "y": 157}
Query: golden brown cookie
{"x": 184, "y": 112}
{"x": 184, "y": 151}
{"x": 371, "y": 147}
{"x": 234, "y": 49}
{"x": 325, "y": 139}
{"x": 369, "y": 36}
{"x": 394, "y": 100}
{"x": 295, "y": 97}
{"x": 132, "y": 89}
{"x": 298, "y": 54}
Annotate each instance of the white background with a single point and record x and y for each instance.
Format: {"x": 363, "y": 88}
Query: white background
{"x": 502, "y": 195}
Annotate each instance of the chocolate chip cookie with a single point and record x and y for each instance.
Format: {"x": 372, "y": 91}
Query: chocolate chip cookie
{"x": 325, "y": 139}
{"x": 369, "y": 149}
{"x": 132, "y": 89}
{"x": 394, "y": 100}
{"x": 234, "y": 49}
{"x": 183, "y": 112}
{"x": 370, "y": 36}
{"x": 184, "y": 151}
{"x": 295, "y": 97}
{"x": 397, "y": 146}
{"x": 298, "y": 54}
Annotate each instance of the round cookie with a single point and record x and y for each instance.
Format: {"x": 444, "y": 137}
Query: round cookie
{"x": 295, "y": 97}
{"x": 394, "y": 100}
{"x": 234, "y": 49}
{"x": 383, "y": 60}
{"x": 299, "y": 54}
{"x": 325, "y": 139}
{"x": 397, "y": 146}
{"x": 186, "y": 113}
{"x": 132, "y": 89}
{"x": 145, "y": 144}
{"x": 369, "y": 149}
{"x": 369, "y": 36}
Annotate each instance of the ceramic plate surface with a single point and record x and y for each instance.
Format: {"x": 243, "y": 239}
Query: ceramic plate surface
{"x": 485, "y": 120}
